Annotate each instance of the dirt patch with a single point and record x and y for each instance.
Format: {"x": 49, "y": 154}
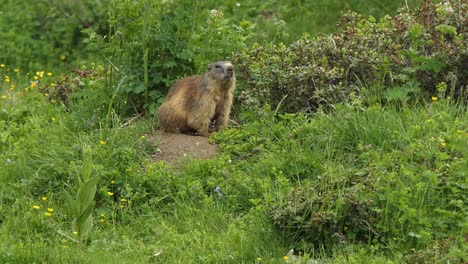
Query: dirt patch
{"x": 174, "y": 148}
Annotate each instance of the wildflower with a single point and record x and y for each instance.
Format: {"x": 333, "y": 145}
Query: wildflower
{"x": 113, "y": 182}
{"x": 4, "y": 96}
{"x": 110, "y": 193}
{"x": 434, "y": 98}
{"x": 43, "y": 198}
{"x": 12, "y": 87}
{"x": 75, "y": 233}
{"x": 36, "y": 77}
{"x": 121, "y": 206}
{"x": 50, "y": 210}
{"x": 46, "y": 95}
{"x": 285, "y": 258}
{"x": 40, "y": 74}
{"x": 459, "y": 131}
{"x": 53, "y": 119}
{"x": 123, "y": 200}
{"x": 37, "y": 207}
{"x": 259, "y": 259}
{"x": 48, "y": 214}
{"x": 49, "y": 74}
{"x": 16, "y": 70}
{"x": 33, "y": 84}
{"x": 102, "y": 220}
{"x": 102, "y": 142}
{"x": 52, "y": 84}
{"x": 102, "y": 215}
{"x": 53, "y": 101}
{"x": 142, "y": 137}
{"x": 7, "y": 79}
{"x": 2, "y": 65}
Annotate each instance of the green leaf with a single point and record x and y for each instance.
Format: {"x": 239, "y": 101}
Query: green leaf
{"x": 73, "y": 205}
{"x": 87, "y": 192}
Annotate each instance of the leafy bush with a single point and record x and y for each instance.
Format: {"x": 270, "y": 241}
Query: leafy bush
{"x": 409, "y": 52}
{"x": 153, "y": 43}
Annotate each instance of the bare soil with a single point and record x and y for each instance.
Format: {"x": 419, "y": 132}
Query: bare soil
{"x": 173, "y": 148}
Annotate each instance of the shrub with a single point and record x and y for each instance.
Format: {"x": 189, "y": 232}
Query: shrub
{"x": 152, "y": 43}
{"x": 411, "y": 51}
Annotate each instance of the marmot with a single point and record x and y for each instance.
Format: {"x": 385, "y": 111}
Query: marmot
{"x": 194, "y": 104}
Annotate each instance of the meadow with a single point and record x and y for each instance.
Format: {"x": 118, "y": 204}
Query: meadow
{"x": 348, "y": 144}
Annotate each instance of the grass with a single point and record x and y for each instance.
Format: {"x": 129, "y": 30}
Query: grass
{"x": 383, "y": 183}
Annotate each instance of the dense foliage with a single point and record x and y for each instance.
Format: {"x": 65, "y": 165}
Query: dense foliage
{"x": 375, "y": 174}
{"x": 391, "y": 59}
{"x": 35, "y": 34}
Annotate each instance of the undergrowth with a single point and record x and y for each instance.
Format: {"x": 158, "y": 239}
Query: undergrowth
{"x": 364, "y": 184}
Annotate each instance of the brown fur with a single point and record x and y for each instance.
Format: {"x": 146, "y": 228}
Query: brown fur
{"x": 194, "y": 103}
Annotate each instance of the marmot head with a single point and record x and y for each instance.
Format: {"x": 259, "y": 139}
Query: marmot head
{"x": 221, "y": 70}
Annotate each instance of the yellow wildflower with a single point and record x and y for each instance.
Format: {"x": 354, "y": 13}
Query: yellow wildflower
{"x": 53, "y": 101}
{"x": 12, "y": 87}
{"x": 52, "y": 84}
{"x": 40, "y": 73}
{"x": 44, "y": 198}
{"x": 7, "y": 80}
{"x": 121, "y": 206}
{"x": 434, "y": 98}
{"x": 113, "y": 182}
{"x": 75, "y": 233}
{"x": 37, "y": 207}
{"x": 46, "y": 95}
{"x": 49, "y": 74}
{"x": 259, "y": 259}
{"x": 459, "y": 131}
{"x": 2, "y": 65}
{"x": 48, "y": 214}
{"x": 285, "y": 258}
{"x": 142, "y": 137}
{"x": 33, "y": 84}
{"x": 110, "y": 193}
{"x": 102, "y": 215}
{"x": 53, "y": 119}
{"x": 4, "y": 96}
{"x": 36, "y": 77}
{"x": 50, "y": 210}
{"x": 123, "y": 200}
{"x": 102, "y": 142}
{"x": 102, "y": 220}
{"x": 16, "y": 70}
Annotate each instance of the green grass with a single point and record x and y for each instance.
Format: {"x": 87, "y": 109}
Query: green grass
{"x": 390, "y": 181}
{"x": 382, "y": 183}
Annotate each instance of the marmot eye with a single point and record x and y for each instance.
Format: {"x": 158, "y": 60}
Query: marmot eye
{"x": 217, "y": 66}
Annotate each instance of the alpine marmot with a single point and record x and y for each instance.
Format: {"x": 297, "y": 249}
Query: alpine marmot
{"x": 194, "y": 104}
